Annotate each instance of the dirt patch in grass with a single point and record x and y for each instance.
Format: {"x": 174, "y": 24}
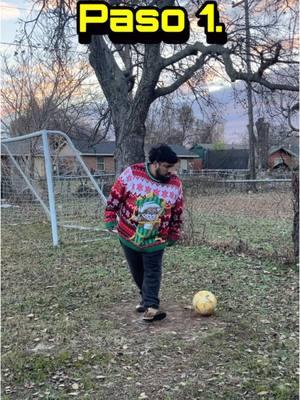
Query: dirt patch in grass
{"x": 69, "y": 329}
{"x": 180, "y": 320}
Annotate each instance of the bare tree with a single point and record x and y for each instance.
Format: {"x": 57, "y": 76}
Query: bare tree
{"x": 174, "y": 121}
{"x": 171, "y": 122}
{"x": 295, "y": 235}
{"x": 161, "y": 123}
{"x": 132, "y": 77}
{"x": 186, "y": 121}
{"x": 40, "y": 92}
{"x": 262, "y": 145}
{"x": 288, "y": 111}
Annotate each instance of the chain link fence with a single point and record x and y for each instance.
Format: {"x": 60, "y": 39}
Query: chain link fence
{"x": 248, "y": 217}
{"x": 224, "y": 211}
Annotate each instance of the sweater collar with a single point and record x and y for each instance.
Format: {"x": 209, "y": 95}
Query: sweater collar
{"x": 147, "y": 165}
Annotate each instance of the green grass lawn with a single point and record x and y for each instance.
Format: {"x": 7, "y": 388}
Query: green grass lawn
{"x": 257, "y": 224}
{"x": 69, "y": 329}
{"x": 264, "y": 236}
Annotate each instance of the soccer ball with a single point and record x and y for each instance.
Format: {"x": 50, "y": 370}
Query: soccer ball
{"x": 204, "y": 302}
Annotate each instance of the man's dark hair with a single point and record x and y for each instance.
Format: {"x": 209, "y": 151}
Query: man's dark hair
{"x": 162, "y": 153}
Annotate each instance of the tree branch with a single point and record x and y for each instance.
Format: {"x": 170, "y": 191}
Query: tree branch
{"x": 151, "y": 70}
{"x": 189, "y": 72}
{"x": 109, "y": 74}
{"x": 189, "y": 50}
{"x": 233, "y": 74}
{"x": 265, "y": 64}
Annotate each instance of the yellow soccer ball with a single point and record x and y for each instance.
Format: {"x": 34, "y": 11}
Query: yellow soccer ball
{"x": 204, "y": 302}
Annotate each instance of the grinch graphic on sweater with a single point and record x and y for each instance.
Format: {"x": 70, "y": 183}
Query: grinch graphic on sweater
{"x": 147, "y": 215}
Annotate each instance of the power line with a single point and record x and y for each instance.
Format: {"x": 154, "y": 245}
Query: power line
{"x": 18, "y": 8}
{"x": 37, "y": 47}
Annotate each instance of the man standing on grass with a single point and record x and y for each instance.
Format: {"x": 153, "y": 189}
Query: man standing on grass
{"x": 148, "y": 200}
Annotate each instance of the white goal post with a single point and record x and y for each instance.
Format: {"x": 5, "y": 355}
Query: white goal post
{"x": 44, "y": 178}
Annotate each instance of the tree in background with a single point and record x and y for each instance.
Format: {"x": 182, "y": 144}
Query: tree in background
{"x": 262, "y": 144}
{"x": 212, "y": 130}
{"x": 132, "y": 77}
{"x": 174, "y": 121}
{"x": 185, "y": 121}
{"x": 40, "y": 92}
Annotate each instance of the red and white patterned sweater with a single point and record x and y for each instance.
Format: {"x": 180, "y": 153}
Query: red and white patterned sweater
{"x": 149, "y": 211}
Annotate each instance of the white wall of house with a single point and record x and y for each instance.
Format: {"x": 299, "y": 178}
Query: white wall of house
{"x": 183, "y": 165}
{"x": 66, "y": 151}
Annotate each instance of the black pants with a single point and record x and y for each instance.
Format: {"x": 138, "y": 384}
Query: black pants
{"x": 146, "y": 270}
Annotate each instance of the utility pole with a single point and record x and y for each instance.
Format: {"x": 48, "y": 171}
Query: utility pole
{"x": 249, "y": 92}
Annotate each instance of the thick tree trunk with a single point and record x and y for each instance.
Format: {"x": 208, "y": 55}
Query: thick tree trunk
{"x": 130, "y": 134}
{"x": 130, "y": 129}
{"x": 262, "y": 129}
{"x": 129, "y": 112}
{"x": 295, "y": 184}
{"x": 129, "y": 147}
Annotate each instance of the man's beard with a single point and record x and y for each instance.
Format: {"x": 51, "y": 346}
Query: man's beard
{"x": 163, "y": 178}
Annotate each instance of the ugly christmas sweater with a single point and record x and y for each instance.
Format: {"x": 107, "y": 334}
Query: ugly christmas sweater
{"x": 149, "y": 211}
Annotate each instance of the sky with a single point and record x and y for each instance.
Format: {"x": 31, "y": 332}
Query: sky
{"x": 235, "y": 118}
{"x": 9, "y": 14}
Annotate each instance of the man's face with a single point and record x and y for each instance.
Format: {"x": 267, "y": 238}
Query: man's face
{"x": 163, "y": 171}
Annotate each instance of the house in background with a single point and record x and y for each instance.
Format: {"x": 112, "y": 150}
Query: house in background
{"x": 29, "y": 156}
{"x": 283, "y": 157}
{"x": 30, "y": 159}
{"x": 228, "y": 156}
{"x": 99, "y": 158}
{"x": 188, "y": 160}
{"x": 227, "y": 159}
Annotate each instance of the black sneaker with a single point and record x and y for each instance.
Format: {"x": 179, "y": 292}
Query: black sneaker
{"x": 140, "y": 308}
{"x": 153, "y": 314}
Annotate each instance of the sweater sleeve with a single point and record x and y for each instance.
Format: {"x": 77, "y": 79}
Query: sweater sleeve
{"x": 115, "y": 199}
{"x": 176, "y": 218}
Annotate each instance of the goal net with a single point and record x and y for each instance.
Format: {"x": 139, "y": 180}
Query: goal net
{"x": 46, "y": 187}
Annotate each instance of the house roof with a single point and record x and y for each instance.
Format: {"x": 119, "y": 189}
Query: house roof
{"x": 108, "y": 149}
{"x": 293, "y": 150}
{"x": 226, "y": 146}
{"x": 100, "y": 149}
{"x": 21, "y": 148}
{"x": 179, "y": 150}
